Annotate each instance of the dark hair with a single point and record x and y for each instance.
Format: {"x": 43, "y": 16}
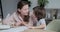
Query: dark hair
{"x": 21, "y": 4}
{"x": 28, "y": 2}
{"x": 26, "y": 18}
{"x": 39, "y": 12}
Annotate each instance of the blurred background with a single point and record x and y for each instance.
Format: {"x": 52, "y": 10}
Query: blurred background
{"x": 52, "y": 7}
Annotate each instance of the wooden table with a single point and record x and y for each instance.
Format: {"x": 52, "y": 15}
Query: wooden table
{"x": 37, "y": 30}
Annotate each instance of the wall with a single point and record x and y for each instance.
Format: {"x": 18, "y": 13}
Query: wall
{"x": 9, "y": 6}
{"x": 53, "y": 4}
{"x": 33, "y": 4}
{"x": 58, "y": 14}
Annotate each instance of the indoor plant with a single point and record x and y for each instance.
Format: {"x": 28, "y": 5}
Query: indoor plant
{"x": 42, "y": 3}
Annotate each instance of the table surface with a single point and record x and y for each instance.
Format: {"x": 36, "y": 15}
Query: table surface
{"x": 17, "y": 29}
{"x": 37, "y": 30}
{"x": 24, "y": 29}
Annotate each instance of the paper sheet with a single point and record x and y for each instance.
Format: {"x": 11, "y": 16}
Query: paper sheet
{"x": 19, "y": 29}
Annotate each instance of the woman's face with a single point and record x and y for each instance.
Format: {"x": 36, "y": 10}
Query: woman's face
{"x": 24, "y": 10}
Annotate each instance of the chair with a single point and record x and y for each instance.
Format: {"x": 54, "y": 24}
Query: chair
{"x": 54, "y": 25}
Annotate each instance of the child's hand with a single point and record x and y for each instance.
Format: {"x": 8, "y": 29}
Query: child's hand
{"x": 31, "y": 27}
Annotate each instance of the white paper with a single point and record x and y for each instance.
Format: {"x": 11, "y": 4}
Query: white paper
{"x": 19, "y": 29}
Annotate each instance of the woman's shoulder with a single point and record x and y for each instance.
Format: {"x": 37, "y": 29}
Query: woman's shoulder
{"x": 14, "y": 14}
{"x": 11, "y": 16}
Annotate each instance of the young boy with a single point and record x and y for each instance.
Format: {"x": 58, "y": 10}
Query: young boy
{"x": 37, "y": 18}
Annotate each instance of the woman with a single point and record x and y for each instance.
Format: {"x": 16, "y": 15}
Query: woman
{"x": 20, "y": 17}
{"x": 37, "y": 18}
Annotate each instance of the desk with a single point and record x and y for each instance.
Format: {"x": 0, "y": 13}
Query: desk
{"x": 17, "y": 29}
{"x": 37, "y": 30}
{"x": 24, "y": 29}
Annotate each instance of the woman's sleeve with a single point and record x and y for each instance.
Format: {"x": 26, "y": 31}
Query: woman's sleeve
{"x": 8, "y": 20}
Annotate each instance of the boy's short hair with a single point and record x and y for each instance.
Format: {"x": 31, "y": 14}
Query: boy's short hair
{"x": 39, "y": 12}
